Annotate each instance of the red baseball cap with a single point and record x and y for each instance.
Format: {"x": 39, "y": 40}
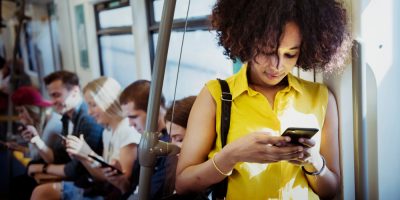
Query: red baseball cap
{"x": 28, "y": 95}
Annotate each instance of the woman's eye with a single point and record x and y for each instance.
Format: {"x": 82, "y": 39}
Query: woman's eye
{"x": 290, "y": 55}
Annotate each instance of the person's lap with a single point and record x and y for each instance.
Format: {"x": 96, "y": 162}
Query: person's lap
{"x": 70, "y": 191}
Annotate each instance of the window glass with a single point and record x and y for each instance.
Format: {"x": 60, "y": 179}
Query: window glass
{"x": 197, "y": 8}
{"x": 118, "y": 58}
{"x": 202, "y": 60}
{"x": 116, "y": 17}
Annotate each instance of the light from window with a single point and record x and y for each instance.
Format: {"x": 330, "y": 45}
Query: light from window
{"x": 116, "y": 17}
{"x": 202, "y": 60}
{"x": 118, "y": 58}
{"x": 197, "y": 8}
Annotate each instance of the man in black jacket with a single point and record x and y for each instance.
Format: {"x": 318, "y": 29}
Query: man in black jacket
{"x": 63, "y": 88}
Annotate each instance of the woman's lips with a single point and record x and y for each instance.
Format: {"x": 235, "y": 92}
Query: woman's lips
{"x": 273, "y": 76}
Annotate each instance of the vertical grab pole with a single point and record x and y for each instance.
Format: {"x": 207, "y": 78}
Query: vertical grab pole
{"x": 359, "y": 118}
{"x": 147, "y": 158}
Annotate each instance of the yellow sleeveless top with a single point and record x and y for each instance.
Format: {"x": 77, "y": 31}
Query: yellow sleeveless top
{"x": 300, "y": 104}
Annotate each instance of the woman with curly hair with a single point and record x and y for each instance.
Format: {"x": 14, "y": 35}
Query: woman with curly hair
{"x": 270, "y": 37}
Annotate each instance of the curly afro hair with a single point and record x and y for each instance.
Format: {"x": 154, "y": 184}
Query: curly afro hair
{"x": 247, "y": 29}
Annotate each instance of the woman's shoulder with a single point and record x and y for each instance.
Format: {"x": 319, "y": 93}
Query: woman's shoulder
{"x": 309, "y": 86}
{"x": 214, "y": 87}
{"x": 127, "y": 133}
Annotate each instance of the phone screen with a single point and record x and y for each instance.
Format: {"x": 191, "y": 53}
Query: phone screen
{"x": 104, "y": 164}
{"x": 296, "y": 133}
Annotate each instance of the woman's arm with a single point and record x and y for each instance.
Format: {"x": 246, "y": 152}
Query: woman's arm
{"x": 30, "y": 134}
{"x": 80, "y": 150}
{"x": 195, "y": 172}
{"x": 95, "y": 171}
{"x": 327, "y": 183}
{"x": 128, "y": 155}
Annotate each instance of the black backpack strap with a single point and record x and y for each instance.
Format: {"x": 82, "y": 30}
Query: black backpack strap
{"x": 219, "y": 190}
{"x": 226, "y": 103}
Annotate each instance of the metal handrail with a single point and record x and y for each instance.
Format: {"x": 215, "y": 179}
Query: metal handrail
{"x": 359, "y": 117}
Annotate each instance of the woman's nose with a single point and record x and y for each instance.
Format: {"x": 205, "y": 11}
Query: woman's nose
{"x": 275, "y": 63}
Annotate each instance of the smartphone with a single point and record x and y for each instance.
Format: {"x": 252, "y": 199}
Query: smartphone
{"x": 295, "y": 133}
{"x": 61, "y": 136}
{"x": 20, "y": 126}
{"x": 104, "y": 164}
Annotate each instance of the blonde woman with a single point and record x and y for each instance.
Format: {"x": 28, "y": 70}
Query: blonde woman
{"x": 120, "y": 140}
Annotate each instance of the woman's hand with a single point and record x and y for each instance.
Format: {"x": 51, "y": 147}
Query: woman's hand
{"x": 262, "y": 147}
{"x": 77, "y": 147}
{"x": 118, "y": 180}
{"x": 28, "y": 133}
{"x": 312, "y": 158}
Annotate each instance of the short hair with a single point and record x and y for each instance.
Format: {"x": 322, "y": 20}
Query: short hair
{"x": 247, "y": 29}
{"x": 181, "y": 111}
{"x": 69, "y": 79}
{"x": 138, "y": 93}
{"x": 105, "y": 92}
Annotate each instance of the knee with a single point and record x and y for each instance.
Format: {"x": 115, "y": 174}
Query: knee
{"x": 46, "y": 191}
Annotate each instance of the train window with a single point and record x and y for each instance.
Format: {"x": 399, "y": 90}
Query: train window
{"x": 115, "y": 40}
{"x": 201, "y": 61}
{"x": 123, "y": 14}
{"x": 197, "y": 8}
{"x": 118, "y": 57}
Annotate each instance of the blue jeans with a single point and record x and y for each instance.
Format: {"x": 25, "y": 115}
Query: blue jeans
{"x": 71, "y": 192}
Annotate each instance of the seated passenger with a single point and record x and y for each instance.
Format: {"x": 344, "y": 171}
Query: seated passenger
{"x": 63, "y": 88}
{"x": 120, "y": 140}
{"x": 134, "y": 100}
{"x": 39, "y": 126}
{"x": 176, "y": 121}
{"x": 39, "y": 123}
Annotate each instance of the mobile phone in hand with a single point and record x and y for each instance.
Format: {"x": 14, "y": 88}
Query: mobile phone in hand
{"x": 104, "y": 164}
{"x": 295, "y": 133}
{"x": 61, "y": 137}
{"x": 20, "y": 126}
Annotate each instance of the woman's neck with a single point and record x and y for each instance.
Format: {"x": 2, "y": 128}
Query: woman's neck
{"x": 114, "y": 122}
